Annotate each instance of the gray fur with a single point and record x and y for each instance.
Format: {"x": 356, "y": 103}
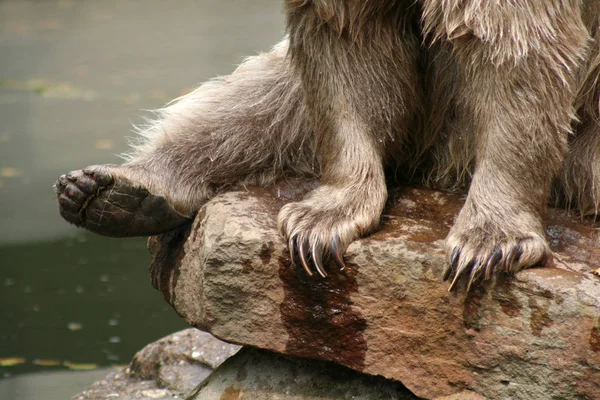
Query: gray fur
{"x": 503, "y": 95}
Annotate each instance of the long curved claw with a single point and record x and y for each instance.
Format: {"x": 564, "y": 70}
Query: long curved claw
{"x": 513, "y": 255}
{"x": 492, "y": 262}
{"x": 454, "y": 282}
{"x": 303, "y": 251}
{"x": 459, "y": 273}
{"x": 316, "y": 251}
{"x": 336, "y": 253}
{"x": 292, "y": 249}
{"x": 472, "y": 277}
{"x": 452, "y": 265}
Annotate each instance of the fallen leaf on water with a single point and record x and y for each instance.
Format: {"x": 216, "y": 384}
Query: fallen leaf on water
{"x": 9, "y": 362}
{"x": 46, "y": 363}
{"x": 10, "y": 172}
{"x": 80, "y": 366}
{"x": 74, "y": 326}
{"x": 103, "y": 144}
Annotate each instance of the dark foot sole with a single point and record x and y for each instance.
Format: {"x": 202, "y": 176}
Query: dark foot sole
{"x": 110, "y": 205}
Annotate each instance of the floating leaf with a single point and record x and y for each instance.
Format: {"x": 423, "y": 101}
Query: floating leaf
{"x": 74, "y": 326}
{"x": 8, "y": 172}
{"x": 47, "y": 363}
{"x": 9, "y": 362}
{"x": 80, "y": 366}
{"x": 103, "y": 144}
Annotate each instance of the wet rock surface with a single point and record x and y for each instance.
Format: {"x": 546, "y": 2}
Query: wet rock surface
{"x": 256, "y": 374}
{"x": 169, "y": 368}
{"x": 534, "y": 335}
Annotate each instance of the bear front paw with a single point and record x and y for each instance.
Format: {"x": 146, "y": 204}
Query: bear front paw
{"x": 478, "y": 253}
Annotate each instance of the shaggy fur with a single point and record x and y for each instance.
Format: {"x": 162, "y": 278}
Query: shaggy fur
{"x": 501, "y": 94}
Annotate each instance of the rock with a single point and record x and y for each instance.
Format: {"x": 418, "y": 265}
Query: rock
{"x": 254, "y": 374}
{"x": 169, "y": 368}
{"x": 535, "y": 335}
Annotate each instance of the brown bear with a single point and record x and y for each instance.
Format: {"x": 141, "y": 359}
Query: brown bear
{"x": 501, "y": 95}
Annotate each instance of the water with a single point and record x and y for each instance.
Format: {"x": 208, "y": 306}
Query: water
{"x": 80, "y": 299}
{"x": 73, "y": 76}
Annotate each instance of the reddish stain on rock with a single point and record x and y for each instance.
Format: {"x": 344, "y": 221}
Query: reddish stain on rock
{"x": 230, "y": 393}
{"x": 319, "y": 315}
{"x": 507, "y": 300}
{"x": 472, "y": 308}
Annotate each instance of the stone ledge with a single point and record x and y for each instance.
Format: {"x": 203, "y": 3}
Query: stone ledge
{"x": 536, "y": 335}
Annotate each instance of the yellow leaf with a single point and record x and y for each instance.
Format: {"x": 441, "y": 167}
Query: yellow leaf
{"x": 103, "y": 144}
{"x": 79, "y": 366}
{"x": 46, "y": 363}
{"x": 9, "y": 362}
{"x": 10, "y": 172}
{"x": 74, "y": 326}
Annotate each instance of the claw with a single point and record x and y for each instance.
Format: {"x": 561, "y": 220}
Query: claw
{"x": 303, "y": 253}
{"x": 316, "y": 251}
{"x": 513, "y": 255}
{"x": 459, "y": 273}
{"x": 335, "y": 252}
{"x": 292, "y": 249}
{"x": 454, "y": 282}
{"x": 452, "y": 265}
{"x": 472, "y": 277}
{"x": 492, "y": 262}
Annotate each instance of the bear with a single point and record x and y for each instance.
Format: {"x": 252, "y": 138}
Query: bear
{"x": 500, "y": 97}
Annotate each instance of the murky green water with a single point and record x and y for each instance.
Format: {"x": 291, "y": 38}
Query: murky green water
{"x": 74, "y": 75}
{"x": 80, "y": 299}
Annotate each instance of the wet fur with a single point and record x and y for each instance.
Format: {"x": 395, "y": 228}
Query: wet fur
{"x": 499, "y": 94}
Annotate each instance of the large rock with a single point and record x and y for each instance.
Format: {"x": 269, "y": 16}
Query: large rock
{"x": 166, "y": 369}
{"x": 254, "y": 374}
{"x": 171, "y": 367}
{"x": 535, "y": 335}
